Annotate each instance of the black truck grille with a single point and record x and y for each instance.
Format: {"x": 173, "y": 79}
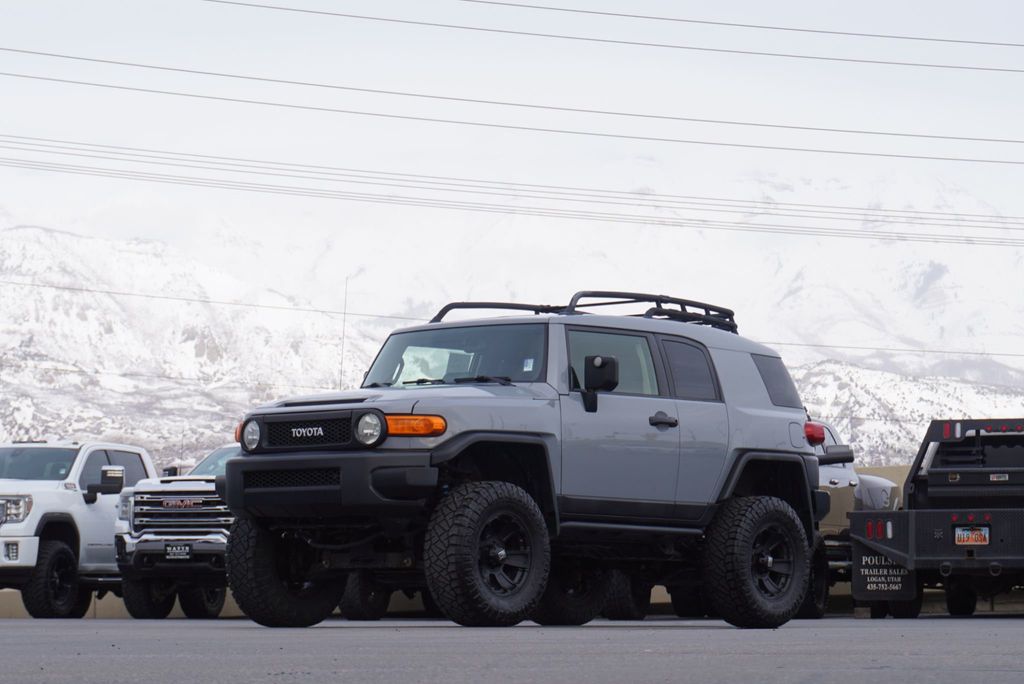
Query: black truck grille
{"x": 306, "y": 477}
{"x": 180, "y": 511}
{"x": 300, "y": 433}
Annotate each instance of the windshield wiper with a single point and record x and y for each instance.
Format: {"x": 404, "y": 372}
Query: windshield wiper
{"x": 377, "y": 384}
{"x": 500, "y": 379}
{"x": 425, "y": 381}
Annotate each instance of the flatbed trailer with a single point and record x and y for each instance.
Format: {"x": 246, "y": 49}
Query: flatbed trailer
{"x": 961, "y": 527}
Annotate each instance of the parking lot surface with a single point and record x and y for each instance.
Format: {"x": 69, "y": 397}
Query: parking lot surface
{"x": 931, "y": 649}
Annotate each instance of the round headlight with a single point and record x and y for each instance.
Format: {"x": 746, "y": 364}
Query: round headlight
{"x": 369, "y": 428}
{"x": 251, "y": 435}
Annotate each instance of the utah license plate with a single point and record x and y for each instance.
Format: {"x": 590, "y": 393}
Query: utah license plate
{"x": 971, "y": 536}
{"x": 178, "y": 551}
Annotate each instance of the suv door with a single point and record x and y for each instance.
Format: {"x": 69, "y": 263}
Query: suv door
{"x": 703, "y": 424}
{"x": 615, "y": 463}
{"x": 840, "y": 481}
{"x": 96, "y": 520}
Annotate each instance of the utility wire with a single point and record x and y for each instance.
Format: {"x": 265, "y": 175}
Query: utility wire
{"x": 520, "y": 105}
{"x": 222, "y": 303}
{"x": 766, "y": 27}
{"x": 275, "y": 169}
{"x": 611, "y": 41}
{"x": 534, "y": 129}
{"x": 650, "y": 221}
{"x": 754, "y": 206}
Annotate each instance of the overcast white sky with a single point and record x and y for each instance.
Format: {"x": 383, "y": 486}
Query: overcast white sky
{"x": 295, "y": 232}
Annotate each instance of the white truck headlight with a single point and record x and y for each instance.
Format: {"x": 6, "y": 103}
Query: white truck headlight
{"x": 369, "y": 429}
{"x": 251, "y": 435}
{"x": 125, "y": 507}
{"x": 15, "y": 508}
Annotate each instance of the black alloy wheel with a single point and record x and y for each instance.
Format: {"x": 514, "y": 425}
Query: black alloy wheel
{"x": 504, "y": 553}
{"x": 771, "y": 561}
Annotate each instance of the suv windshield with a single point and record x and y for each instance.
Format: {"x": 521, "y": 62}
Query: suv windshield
{"x": 213, "y": 465}
{"x": 35, "y": 463}
{"x": 484, "y": 353}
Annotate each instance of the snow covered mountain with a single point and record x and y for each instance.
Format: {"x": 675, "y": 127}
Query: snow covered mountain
{"x": 85, "y": 360}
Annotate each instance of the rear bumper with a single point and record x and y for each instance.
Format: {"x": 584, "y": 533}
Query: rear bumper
{"x": 144, "y": 557}
{"x": 329, "y": 484}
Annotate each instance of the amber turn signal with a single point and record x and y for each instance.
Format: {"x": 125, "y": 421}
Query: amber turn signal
{"x": 416, "y": 426}
{"x": 238, "y": 432}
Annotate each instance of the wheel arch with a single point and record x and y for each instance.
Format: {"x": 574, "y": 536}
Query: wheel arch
{"x": 783, "y": 475}
{"x": 60, "y": 527}
{"x": 521, "y": 458}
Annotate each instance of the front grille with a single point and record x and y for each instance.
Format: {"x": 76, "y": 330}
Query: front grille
{"x": 299, "y": 433}
{"x": 307, "y": 477}
{"x": 181, "y": 512}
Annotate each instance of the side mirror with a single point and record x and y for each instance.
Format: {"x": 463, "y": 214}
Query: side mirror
{"x": 171, "y": 471}
{"x": 836, "y": 455}
{"x": 111, "y": 482}
{"x": 600, "y": 374}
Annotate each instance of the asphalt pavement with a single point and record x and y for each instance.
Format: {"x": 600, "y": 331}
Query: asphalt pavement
{"x": 930, "y": 649}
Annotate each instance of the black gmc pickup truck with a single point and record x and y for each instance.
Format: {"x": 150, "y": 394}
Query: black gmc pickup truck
{"x": 961, "y": 527}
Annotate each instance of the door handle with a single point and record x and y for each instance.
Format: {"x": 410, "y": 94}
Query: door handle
{"x": 661, "y": 418}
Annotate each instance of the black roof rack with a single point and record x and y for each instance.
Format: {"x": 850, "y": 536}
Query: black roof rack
{"x": 671, "y": 308}
{"x": 514, "y": 306}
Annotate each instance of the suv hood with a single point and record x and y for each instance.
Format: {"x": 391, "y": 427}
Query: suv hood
{"x": 183, "y": 483}
{"x": 404, "y": 399}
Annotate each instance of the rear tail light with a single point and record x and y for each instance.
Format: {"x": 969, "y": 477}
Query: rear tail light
{"x": 869, "y": 532}
{"x": 880, "y": 530}
{"x": 815, "y": 433}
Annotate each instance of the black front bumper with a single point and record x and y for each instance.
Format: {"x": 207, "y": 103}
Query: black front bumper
{"x": 329, "y": 484}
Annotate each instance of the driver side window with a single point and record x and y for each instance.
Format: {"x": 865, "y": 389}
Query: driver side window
{"x": 92, "y": 470}
{"x": 636, "y": 365}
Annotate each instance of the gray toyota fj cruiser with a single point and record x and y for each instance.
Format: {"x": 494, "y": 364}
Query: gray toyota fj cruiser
{"x": 510, "y": 464}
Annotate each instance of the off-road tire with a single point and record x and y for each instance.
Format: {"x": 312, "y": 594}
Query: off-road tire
{"x": 815, "y": 602}
{"x": 259, "y": 588}
{"x": 148, "y": 599}
{"x": 688, "y": 602}
{"x": 430, "y": 607}
{"x": 364, "y": 598}
{"x": 629, "y": 598}
{"x": 53, "y": 590}
{"x": 202, "y": 603}
{"x": 879, "y": 609}
{"x": 961, "y": 600}
{"x": 907, "y": 610}
{"x": 577, "y": 591}
{"x": 730, "y": 568}
{"x": 82, "y": 604}
{"x": 459, "y": 528}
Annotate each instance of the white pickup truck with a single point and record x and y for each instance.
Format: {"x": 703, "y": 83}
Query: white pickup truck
{"x": 58, "y": 504}
{"x": 170, "y": 540}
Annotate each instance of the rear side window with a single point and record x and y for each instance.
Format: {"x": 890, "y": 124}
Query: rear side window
{"x": 776, "y": 379}
{"x": 132, "y": 464}
{"x": 691, "y": 372}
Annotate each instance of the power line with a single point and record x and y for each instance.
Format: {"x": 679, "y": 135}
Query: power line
{"x": 605, "y": 217}
{"x": 166, "y": 158}
{"x": 319, "y": 311}
{"x": 506, "y": 103}
{"x": 754, "y": 206}
{"x": 612, "y": 41}
{"x": 513, "y": 127}
{"x": 766, "y": 27}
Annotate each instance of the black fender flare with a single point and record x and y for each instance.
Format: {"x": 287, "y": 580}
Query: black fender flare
{"x": 548, "y": 443}
{"x": 48, "y": 518}
{"x": 815, "y": 502}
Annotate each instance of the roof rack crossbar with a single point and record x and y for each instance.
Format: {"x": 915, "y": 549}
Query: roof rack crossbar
{"x": 512, "y": 306}
{"x": 705, "y": 314}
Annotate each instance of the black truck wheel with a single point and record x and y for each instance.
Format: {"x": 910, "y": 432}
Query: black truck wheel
{"x": 756, "y": 562}
{"x": 486, "y": 554}
{"x": 82, "y": 603}
{"x": 577, "y": 591}
{"x": 268, "y": 574}
{"x": 629, "y": 598}
{"x": 961, "y": 599}
{"x": 364, "y": 598}
{"x": 202, "y": 603}
{"x": 148, "y": 599}
{"x": 816, "y": 600}
{"x": 907, "y": 610}
{"x": 53, "y": 590}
